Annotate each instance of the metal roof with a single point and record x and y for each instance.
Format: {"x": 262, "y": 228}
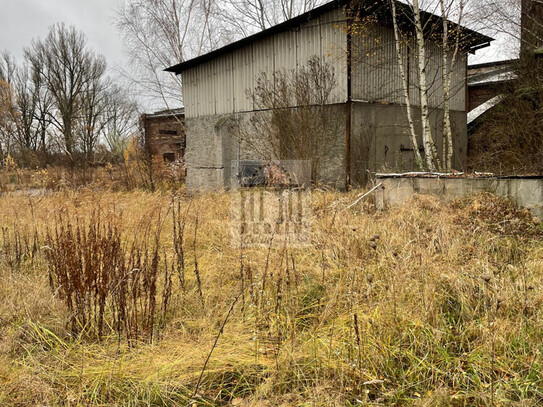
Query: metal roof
{"x": 473, "y": 39}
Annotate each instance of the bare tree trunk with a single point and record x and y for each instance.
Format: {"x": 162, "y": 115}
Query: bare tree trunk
{"x": 405, "y": 85}
{"x": 448, "y": 67}
{"x": 429, "y": 146}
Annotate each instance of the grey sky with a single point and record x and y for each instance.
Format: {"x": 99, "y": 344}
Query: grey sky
{"x": 23, "y": 20}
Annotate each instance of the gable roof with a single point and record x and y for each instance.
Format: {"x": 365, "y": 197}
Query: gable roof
{"x": 473, "y": 39}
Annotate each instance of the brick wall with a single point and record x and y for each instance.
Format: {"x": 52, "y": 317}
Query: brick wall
{"x": 165, "y": 136}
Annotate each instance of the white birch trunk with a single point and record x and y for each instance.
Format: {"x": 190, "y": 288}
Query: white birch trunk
{"x": 430, "y": 154}
{"x": 448, "y": 68}
{"x": 405, "y": 84}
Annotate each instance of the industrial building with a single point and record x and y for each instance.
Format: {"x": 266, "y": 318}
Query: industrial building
{"x": 367, "y": 102}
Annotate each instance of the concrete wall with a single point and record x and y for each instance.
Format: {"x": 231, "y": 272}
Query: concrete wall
{"x": 380, "y": 141}
{"x": 524, "y": 192}
{"x": 215, "y": 142}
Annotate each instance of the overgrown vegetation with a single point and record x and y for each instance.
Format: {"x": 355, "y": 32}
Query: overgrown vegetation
{"x": 427, "y": 304}
{"x": 510, "y": 140}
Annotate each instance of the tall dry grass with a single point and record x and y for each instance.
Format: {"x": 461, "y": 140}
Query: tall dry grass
{"x": 426, "y": 304}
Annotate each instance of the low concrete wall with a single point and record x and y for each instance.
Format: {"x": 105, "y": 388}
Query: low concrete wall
{"x": 524, "y": 192}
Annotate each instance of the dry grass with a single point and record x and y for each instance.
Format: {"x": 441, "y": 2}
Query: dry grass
{"x": 423, "y": 305}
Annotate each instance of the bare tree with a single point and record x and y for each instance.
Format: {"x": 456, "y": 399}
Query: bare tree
{"x": 519, "y": 21}
{"x": 7, "y": 111}
{"x": 121, "y": 115}
{"x": 67, "y": 68}
{"x": 294, "y": 122}
{"x": 34, "y": 107}
{"x": 248, "y": 16}
{"x": 161, "y": 33}
{"x": 92, "y": 118}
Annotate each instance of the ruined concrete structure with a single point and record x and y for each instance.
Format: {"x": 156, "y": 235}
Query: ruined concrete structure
{"x": 165, "y": 134}
{"x": 525, "y": 192}
{"x": 367, "y": 102}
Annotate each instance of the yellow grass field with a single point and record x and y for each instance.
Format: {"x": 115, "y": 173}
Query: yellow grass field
{"x": 422, "y": 305}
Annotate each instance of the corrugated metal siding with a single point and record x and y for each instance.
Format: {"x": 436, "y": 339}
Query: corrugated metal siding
{"x": 243, "y": 79}
{"x": 189, "y": 96}
{"x": 434, "y": 74}
{"x": 458, "y": 87}
{"x": 220, "y": 86}
{"x": 285, "y": 46}
{"x": 309, "y": 42}
{"x": 264, "y": 61}
{"x": 376, "y": 75}
{"x": 223, "y": 84}
{"x": 435, "y": 82}
{"x": 334, "y": 47}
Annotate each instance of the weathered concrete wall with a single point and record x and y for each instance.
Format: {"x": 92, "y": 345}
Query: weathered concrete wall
{"x": 524, "y": 192}
{"x": 214, "y": 142}
{"x": 381, "y": 141}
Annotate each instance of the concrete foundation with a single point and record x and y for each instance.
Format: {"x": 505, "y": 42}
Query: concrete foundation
{"x": 525, "y": 192}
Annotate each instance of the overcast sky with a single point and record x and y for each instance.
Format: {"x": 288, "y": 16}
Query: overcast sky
{"x": 23, "y": 20}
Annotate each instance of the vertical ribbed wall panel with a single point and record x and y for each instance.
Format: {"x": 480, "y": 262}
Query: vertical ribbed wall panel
{"x": 189, "y": 96}
{"x": 334, "y": 47}
{"x": 414, "y": 88}
{"x": 309, "y": 42}
{"x": 243, "y": 76}
{"x": 224, "y": 97}
{"x": 285, "y": 47}
{"x": 263, "y": 60}
{"x": 434, "y": 74}
{"x": 376, "y": 75}
{"x": 458, "y": 80}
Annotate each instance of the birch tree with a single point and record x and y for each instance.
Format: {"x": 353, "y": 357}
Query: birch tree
{"x": 449, "y": 38}
{"x": 405, "y": 84}
{"x": 449, "y": 62}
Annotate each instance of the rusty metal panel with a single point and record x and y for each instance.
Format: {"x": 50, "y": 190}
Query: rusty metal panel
{"x": 376, "y": 75}
{"x": 223, "y": 84}
{"x": 334, "y": 46}
{"x": 243, "y": 76}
